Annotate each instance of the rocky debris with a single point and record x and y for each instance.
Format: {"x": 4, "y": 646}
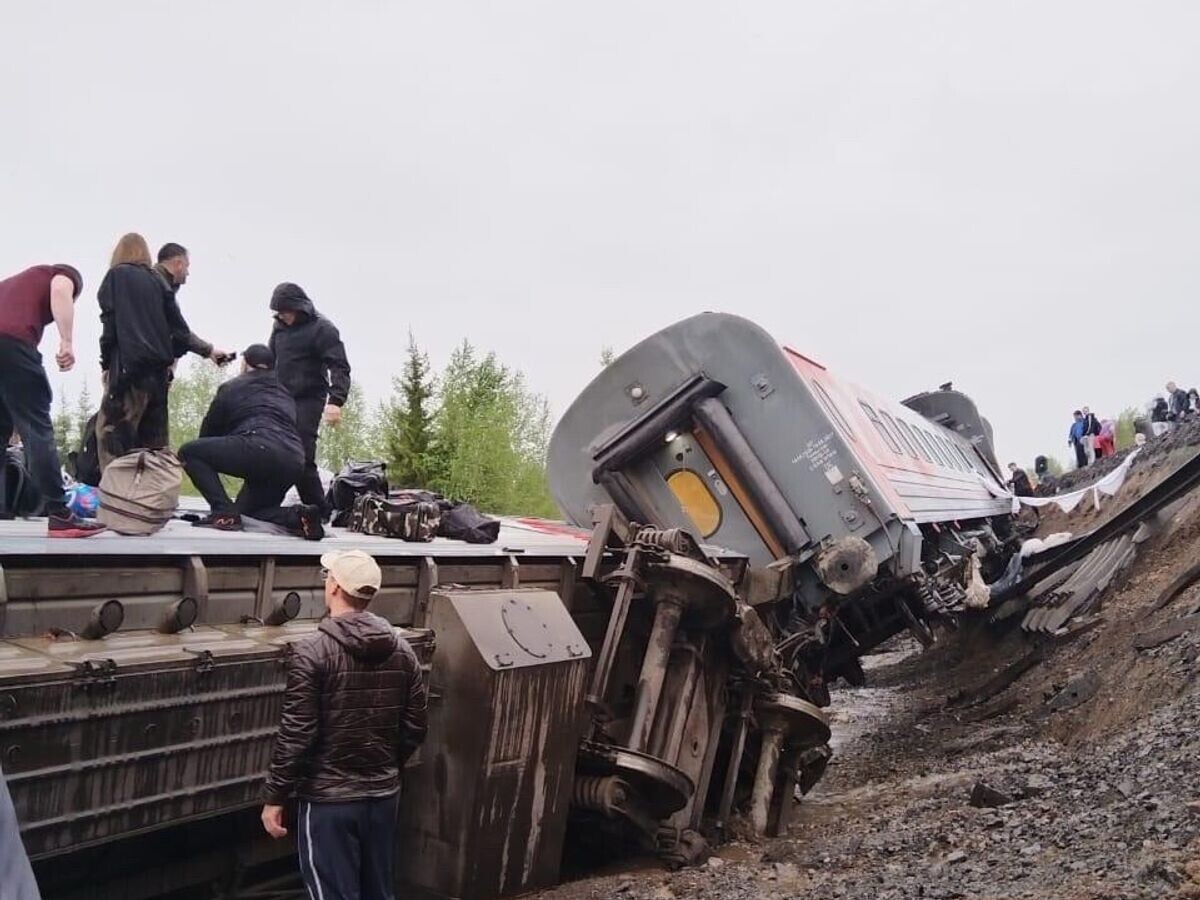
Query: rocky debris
{"x": 1104, "y": 794}
{"x": 1156, "y": 637}
{"x": 1077, "y": 691}
{"x": 984, "y": 796}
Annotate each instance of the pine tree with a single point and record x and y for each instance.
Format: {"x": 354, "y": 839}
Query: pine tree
{"x": 408, "y": 421}
{"x": 64, "y": 428}
{"x": 355, "y": 437}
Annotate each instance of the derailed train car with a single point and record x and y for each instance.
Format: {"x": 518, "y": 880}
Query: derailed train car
{"x": 884, "y": 515}
{"x": 749, "y": 525}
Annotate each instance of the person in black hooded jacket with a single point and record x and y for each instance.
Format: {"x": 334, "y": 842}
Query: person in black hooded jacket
{"x": 250, "y": 432}
{"x": 311, "y": 363}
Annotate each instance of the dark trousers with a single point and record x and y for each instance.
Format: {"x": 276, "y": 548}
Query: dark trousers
{"x": 25, "y": 405}
{"x": 347, "y": 850}
{"x": 133, "y": 415}
{"x": 1080, "y": 454}
{"x": 308, "y": 422}
{"x": 268, "y": 471}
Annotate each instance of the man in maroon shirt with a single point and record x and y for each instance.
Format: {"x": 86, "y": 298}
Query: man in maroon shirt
{"x": 29, "y": 301}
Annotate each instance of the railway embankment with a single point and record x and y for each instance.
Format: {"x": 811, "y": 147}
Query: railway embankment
{"x": 1003, "y": 764}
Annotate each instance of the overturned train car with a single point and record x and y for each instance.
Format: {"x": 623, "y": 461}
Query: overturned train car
{"x": 880, "y": 515}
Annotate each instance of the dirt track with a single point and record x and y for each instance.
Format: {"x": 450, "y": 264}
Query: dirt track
{"x": 1101, "y": 800}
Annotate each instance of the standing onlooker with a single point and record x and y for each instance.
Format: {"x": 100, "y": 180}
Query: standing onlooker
{"x": 143, "y": 334}
{"x": 354, "y": 710}
{"x": 311, "y": 363}
{"x": 1106, "y": 440}
{"x": 1177, "y": 402}
{"x": 1091, "y": 428}
{"x": 29, "y": 301}
{"x": 173, "y": 265}
{"x": 1075, "y": 438}
{"x": 1019, "y": 481}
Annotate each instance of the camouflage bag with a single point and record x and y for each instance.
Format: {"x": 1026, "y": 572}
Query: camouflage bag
{"x": 406, "y": 519}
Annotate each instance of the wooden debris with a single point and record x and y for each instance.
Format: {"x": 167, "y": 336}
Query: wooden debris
{"x": 1157, "y": 636}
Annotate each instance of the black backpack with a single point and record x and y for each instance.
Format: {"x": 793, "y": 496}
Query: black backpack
{"x": 84, "y": 463}
{"x": 18, "y": 494}
{"x": 355, "y": 480}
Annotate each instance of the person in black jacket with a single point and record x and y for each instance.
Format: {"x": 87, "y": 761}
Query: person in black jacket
{"x": 143, "y": 334}
{"x": 354, "y": 711}
{"x": 311, "y": 363}
{"x": 172, "y": 267}
{"x": 250, "y": 432}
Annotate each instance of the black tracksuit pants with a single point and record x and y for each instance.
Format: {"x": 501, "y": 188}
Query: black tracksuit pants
{"x": 347, "y": 850}
{"x": 267, "y": 469}
{"x": 25, "y": 405}
{"x": 308, "y": 422}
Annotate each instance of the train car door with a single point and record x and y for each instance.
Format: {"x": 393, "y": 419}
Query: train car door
{"x": 688, "y": 478}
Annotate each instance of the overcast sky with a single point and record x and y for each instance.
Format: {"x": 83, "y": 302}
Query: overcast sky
{"x": 1002, "y": 194}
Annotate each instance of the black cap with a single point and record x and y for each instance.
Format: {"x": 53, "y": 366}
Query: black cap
{"x": 259, "y": 356}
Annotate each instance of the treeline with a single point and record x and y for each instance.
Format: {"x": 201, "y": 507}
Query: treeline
{"x": 474, "y": 431}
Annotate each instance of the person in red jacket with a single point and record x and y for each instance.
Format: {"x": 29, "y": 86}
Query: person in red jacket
{"x": 29, "y": 301}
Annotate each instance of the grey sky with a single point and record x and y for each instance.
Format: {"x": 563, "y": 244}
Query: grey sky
{"x": 1005, "y": 194}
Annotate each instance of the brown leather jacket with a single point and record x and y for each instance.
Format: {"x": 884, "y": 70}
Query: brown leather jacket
{"x": 353, "y": 713}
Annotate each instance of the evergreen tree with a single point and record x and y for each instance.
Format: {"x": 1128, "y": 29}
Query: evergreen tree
{"x": 83, "y": 412}
{"x": 354, "y": 438}
{"x": 489, "y": 437}
{"x": 64, "y": 428}
{"x": 407, "y": 421}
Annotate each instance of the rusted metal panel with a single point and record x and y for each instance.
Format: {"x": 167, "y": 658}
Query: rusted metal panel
{"x": 108, "y": 738}
{"x": 485, "y": 815}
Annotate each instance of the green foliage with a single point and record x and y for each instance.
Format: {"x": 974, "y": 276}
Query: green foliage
{"x": 474, "y": 433}
{"x": 192, "y": 391}
{"x": 354, "y": 438}
{"x": 407, "y": 422}
{"x": 1124, "y": 431}
{"x": 65, "y": 429}
{"x": 490, "y": 435}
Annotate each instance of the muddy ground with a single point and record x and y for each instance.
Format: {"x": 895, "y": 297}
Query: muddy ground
{"x": 1100, "y": 800}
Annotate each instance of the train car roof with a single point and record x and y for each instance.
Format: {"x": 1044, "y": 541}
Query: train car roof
{"x": 529, "y": 537}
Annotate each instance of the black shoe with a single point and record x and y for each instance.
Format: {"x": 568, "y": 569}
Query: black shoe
{"x": 66, "y": 524}
{"x": 310, "y": 523}
{"x": 222, "y": 521}
{"x": 227, "y": 522}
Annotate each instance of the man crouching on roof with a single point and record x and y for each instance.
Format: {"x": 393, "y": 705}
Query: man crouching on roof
{"x": 354, "y": 711}
{"x": 250, "y": 432}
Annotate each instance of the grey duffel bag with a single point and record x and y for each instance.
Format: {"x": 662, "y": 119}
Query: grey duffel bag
{"x": 140, "y": 491}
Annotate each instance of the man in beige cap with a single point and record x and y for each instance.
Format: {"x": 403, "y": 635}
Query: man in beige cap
{"x": 353, "y": 713}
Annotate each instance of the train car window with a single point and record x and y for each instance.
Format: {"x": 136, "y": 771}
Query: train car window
{"x": 937, "y": 445}
{"x": 832, "y": 410}
{"x": 880, "y": 427}
{"x": 966, "y": 459}
{"x": 911, "y": 432}
{"x": 697, "y": 500}
{"x": 932, "y": 445}
{"x": 945, "y": 448}
{"x": 904, "y": 439}
{"x": 953, "y": 456}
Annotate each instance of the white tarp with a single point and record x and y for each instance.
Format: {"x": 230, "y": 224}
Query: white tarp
{"x": 1108, "y": 485}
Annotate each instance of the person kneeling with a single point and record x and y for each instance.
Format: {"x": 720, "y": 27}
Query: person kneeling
{"x": 250, "y": 432}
